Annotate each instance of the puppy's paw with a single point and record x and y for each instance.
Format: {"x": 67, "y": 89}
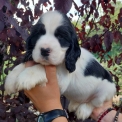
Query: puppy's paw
{"x": 30, "y": 77}
{"x": 73, "y": 106}
{"x": 11, "y": 79}
{"x": 84, "y": 111}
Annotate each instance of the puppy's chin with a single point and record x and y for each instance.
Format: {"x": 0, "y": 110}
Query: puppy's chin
{"x": 49, "y": 62}
{"x": 44, "y": 63}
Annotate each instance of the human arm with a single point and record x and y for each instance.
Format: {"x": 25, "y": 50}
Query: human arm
{"x": 46, "y": 98}
{"x": 109, "y": 117}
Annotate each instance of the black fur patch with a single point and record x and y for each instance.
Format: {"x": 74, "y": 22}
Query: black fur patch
{"x": 95, "y": 69}
{"x": 67, "y": 37}
{"x": 37, "y": 31}
{"x": 63, "y": 35}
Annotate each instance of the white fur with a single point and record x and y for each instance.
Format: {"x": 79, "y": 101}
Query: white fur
{"x": 11, "y": 79}
{"x": 84, "y": 92}
{"x": 30, "y": 74}
{"x": 51, "y": 20}
{"x": 84, "y": 110}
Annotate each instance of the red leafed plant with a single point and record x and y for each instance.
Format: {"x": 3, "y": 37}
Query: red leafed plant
{"x": 99, "y": 28}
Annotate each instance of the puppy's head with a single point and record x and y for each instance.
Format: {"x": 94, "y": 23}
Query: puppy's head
{"x": 53, "y": 41}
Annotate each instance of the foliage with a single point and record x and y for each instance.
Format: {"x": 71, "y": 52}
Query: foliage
{"x": 100, "y": 32}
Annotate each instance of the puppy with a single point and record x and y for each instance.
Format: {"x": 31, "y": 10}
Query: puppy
{"x": 81, "y": 78}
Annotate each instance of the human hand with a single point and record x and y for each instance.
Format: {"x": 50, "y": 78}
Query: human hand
{"x": 47, "y": 97}
{"x": 109, "y": 117}
{"x": 97, "y": 111}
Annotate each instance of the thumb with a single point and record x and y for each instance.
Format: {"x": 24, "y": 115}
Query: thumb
{"x": 51, "y": 73}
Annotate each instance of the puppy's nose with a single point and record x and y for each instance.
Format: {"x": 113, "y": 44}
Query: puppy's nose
{"x": 45, "y": 51}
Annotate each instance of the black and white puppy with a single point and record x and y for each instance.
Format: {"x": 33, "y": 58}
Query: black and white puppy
{"x": 81, "y": 78}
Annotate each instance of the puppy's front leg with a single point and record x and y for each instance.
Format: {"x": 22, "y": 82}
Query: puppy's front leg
{"x": 11, "y": 79}
{"x": 30, "y": 77}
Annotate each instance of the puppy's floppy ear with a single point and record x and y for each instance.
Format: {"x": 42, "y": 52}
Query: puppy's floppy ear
{"x": 36, "y": 32}
{"x": 28, "y": 54}
{"x": 72, "y": 54}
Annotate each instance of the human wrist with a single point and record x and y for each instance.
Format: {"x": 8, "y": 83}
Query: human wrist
{"x": 55, "y": 115}
{"x": 108, "y": 117}
{"x": 60, "y": 119}
{"x": 97, "y": 112}
{"x": 100, "y": 110}
{"x": 50, "y": 105}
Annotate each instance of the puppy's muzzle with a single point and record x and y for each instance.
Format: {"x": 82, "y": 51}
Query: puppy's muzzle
{"x": 45, "y": 52}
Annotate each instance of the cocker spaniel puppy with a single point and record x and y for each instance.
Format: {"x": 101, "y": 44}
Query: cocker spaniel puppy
{"x": 81, "y": 78}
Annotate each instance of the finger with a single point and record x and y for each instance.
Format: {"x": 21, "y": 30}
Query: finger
{"x": 51, "y": 73}
{"x": 32, "y": 96}
{"x": 34, "y": 92}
